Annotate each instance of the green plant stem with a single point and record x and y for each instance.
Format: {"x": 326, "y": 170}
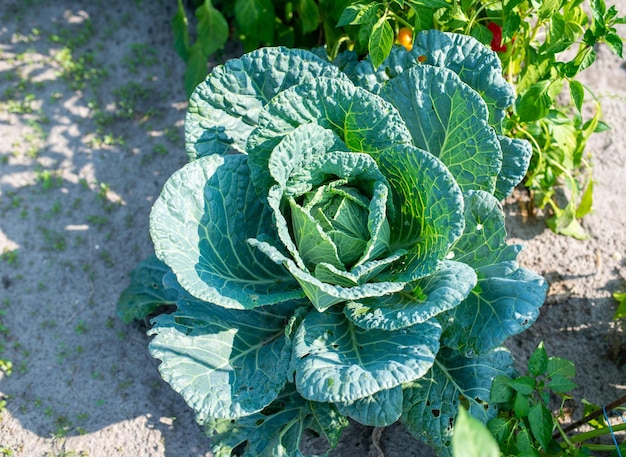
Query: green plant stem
{"x": 600, "y": 447}
{"x": 540, "y": 159}
{"x": 595, "y": 414}
{"x": 595, "y": 433}
{"x": 400, "y": 20}
{"x": 474, "y": 17}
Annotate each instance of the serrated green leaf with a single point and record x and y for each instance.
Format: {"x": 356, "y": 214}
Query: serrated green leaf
{"x": 501, "y": 391}
{"x": 225, "y": 363}
{"x": 380, "y": 41}
{"x": 541, "y": 424}
{"x": 146, "y": 292}
{"x": 335, "y": 361}
{"x": 538, "y": 361}
{"x": 450, "y": 120}
{"x": 614, "y": 41}
{"x": 196, "y": 68}
{"x": 277, "y": 430}
{"x": 436, "y": 293}
{"x": 309, "y": 15}
{"x": 471, "y": 438}
{"x": 586, "y": 201}
{"x": 381, "y": 409}
{"x": 200, "y": 225}
{"x": 561, "y": 366}
{"x": 561, "y": 384}
{"x": 256, "y": 18}
{"x": 431, "y": 404}
{"x": 525, "y": 447}
{"x": 505, "y": 302}
{"x": 481, "y": 33}
{"x": 521, "y": 406}
{"x": 212, "y": 28}
{"x": 577, "y": 92}
{"x": 224, "y": 109}
{"x": 358, "y": 13}
{"x": 502, "y": 431}
{"x": 535, "y": 102}
{"x": 548, "y": 8}
{"x": 180, "y": 29}
{"x": 524, "y": 385}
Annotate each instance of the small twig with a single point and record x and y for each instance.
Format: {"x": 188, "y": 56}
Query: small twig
{"x": 377, "y": 433}
{"x": 591, "y": 416}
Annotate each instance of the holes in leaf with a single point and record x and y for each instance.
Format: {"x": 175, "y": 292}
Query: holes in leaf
{"x": 273, "y": 408}
{"x": 464, "y": 402}
{"x": 239, "y": 450}
{"x": 435, "y": 412}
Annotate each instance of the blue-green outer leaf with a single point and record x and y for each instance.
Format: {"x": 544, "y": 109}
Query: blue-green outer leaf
{"x": 225, "y": 363}
{"x": 505, "y": 302}
{"x": 484, "y": 239}
{"x": 447, "y": 118}
{"x": 431, "y": 403}
{"x": 224, "y": 109}
{"x": 145, "y": 293}
{"x": 335, "y": 361}
{"x": 277, "y": 430}
{"x": 199, "y": 225}
{"x": 476, "y": 64}
{"x": 439, "y": 292}
{"x": 381, "y": 409}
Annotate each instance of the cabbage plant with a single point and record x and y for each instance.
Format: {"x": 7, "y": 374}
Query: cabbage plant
{"x": 335, "y": 247}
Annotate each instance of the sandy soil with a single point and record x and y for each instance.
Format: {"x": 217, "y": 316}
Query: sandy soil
{"x": 91, "y": 114}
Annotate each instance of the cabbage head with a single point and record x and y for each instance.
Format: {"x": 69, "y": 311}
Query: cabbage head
{"x": 335, "y": 246}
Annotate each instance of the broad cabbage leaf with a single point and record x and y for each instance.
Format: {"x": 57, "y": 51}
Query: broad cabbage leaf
{"x": 336, "y": 247}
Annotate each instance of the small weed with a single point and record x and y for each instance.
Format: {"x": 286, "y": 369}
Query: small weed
{"x": 157, "y": 150}
{"x": 78, "y": 72}
{"x": 81, "y": 328}
{"x": 128, "y": 98}
{"x": 9, "y": 256}
{"x": 48, "y": 179}
{"x": 53, "y": 240}
{"x": 173, "y": 135}
{"x": 107, "y": 259}
{"x": 139, "y": 57}
{"x": 6, "y": 366}
{"x": 24, "y": 106}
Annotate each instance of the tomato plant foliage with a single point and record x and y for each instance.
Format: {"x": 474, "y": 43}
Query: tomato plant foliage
{"x": 336, "y": 245}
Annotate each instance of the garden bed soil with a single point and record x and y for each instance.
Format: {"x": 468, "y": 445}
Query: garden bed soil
{"x": 91, "y": 122}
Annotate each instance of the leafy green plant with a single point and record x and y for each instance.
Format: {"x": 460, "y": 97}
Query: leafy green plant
{"x": 526, "y": 425}
{"x": 335, "y": 246}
